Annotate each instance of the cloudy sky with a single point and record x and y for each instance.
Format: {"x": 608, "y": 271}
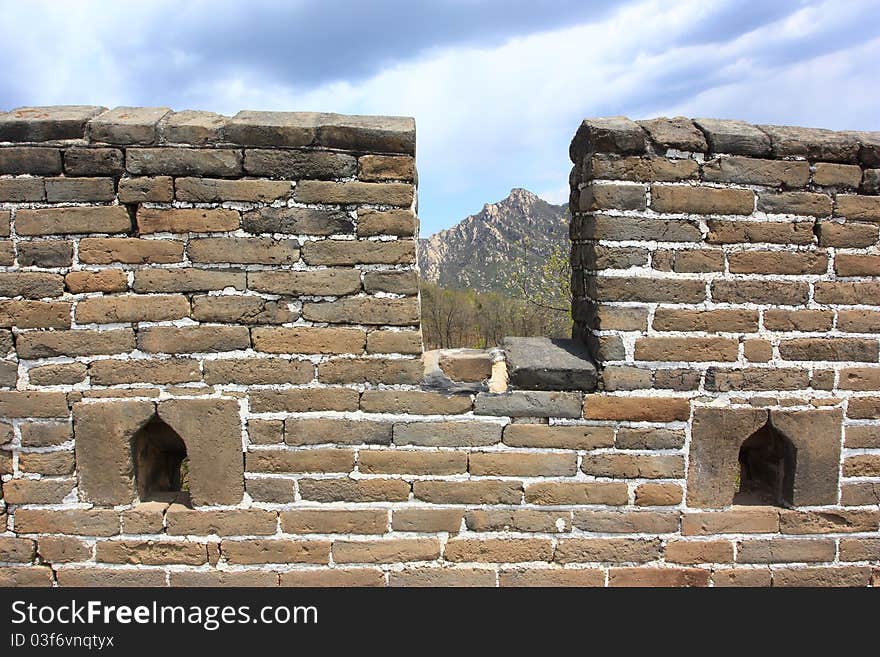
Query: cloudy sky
{"x": 497, "y": 87}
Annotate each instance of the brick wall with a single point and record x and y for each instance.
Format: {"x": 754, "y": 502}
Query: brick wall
{"x": 243, "y": 291}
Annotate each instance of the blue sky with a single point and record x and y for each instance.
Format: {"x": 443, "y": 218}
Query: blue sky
{"x": 497, "y": 87}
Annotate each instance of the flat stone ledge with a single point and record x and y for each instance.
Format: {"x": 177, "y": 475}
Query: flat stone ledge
{"x": 530, "y": 403}
{"x": 549, "y": 364}
{"x": 33, "y": 124}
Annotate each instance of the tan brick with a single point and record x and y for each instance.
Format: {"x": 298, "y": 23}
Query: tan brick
{"x": 166, "y": 371}
{"x": 557, "y": 493}
{"x": 371, "y": 370}
{"x": 254, "y": 551}
{"x": 131, "y": 308}
{"x": 147, "y": 189}
{"x": 859, "y": 549}
{"x": 47, "y": 463}
{"x": 598, "y": 196}
{"x": 446, "y": 434}
{"x": 686, "y": 349}
{"x": 485, "y": 491}
{"x": 666, "y": 466}
{"x": 725, "y": 231}
{"x": 658, "y": 494}
{"x": 349, "y": 193}
{"x": 315, "y": 431}
{"x": 334, "y": 521}
{"x": 386, "y": 167}
{"x": 20, "y": 403}
{"x": 559, "y": 437}
{"x": 13, "y": 549}
{"x": 863, "y": 436}
{"x": 777, "y": 262}
{"x": 822, "y": 576}
{"x": 67, "y": 220}
{"x": 70, "y": 189}
{"x": 213, "y": 190}
{"x": 304, "y": 400}
{"x": 312, "y": 460}
{"x": 544, "y": 577}
{"x": 721, "y": 380}
{"x": 434, "y": 577}
{"x": 145, "y": 518}
{"x": 359, "y": 252}
{"x": 748, "y": 577}
{"x": 849, "y": 234}
{"x": 642, "y": 169}
{"x": 648, "y": 438}
{"x": 400, "y": 461}
{"x": 860, "y": 378}
{"x": 831, "y": 349}
{"x": 79, "y": 522}
{"x": 414, "y": 402}
{"x": 274, "y": 490}
{"x": 755, "y": 171}
{"x": 174, "y": 340}
{"x": 18, "y": 190}
{"x": 63, "y": 549}
{"x": 776, "y": 319}
{"x": 523, "y": 520}
{"x": 265, "y": 432}
{"x": 498, "y": 550}
{"x": 401, "y": 223}
{"x": 621, "y": 318}
{"x": 621, "y": 288}
{"x": 47, "y": 344}
{"x": 658, "y": 577}
{"x": 215, "y": 578}
{"x": 848, "y": 292}
{"x": 783, "y": 550}
{"x": 795, "y": 203}
{"x": 107, "y": 280}
{"x": 60, "y": 374}
{"x": 862, "y": 465}
{"x": 30, "y": 285}
{"x": 508, "y": 464}
{"x": 186, "y": 220}
{"x": 626, "y": 522}
{"x": 107, "y": 250}
{"x": 758, "y": 520}
{"x": 864, "y": 408}
{"x": 222, "y": 522}
{"x": 324, "y": 282}
{"x": 386, "y": 551}
{"x": 827, "y": 174}
{"x": 258, "y": 371}
{"x": 354, "y": 490}
{"x": 392, "y": 282}
{"x": 694, "y": 552}
{"x": 110, "y": 577}
{"x": 152, "y": 553}
{"x": 427, "y": 520}
{"x": 650, "y": 409}
{"x": 44, "y": 434}
{"x": 309, "y": 340}
{"x": 335, "y": 577}
{"x": 187, "y": 280}
{"x": 701, "y": 200}
{"x": 757, "y": 351}
{"x": 364, "y": 310}
{"x": 241, "y": 309}
{"x": 848, "y": 264}
{"x": 851, "y": 206}
{"x": 34, "y": 314}
{"x": 25, "y": 576}
{"x": 243, "y": 250}
{"x": 589, "y": 550}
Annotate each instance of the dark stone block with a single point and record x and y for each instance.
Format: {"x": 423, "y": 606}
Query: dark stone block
{"x": 549, "y": 364}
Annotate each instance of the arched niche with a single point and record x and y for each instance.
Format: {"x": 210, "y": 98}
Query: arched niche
{"x": 159, "y": 458}
{"x": 767, "y": 465}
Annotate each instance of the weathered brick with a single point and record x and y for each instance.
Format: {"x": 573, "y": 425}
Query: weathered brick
{"x": 777, "y": 262}
{"x": 349, "y": 193}
{"x": 386, "y": 550}
{"x": 858, "y": 321}
{"x": 244, "y": 250}
{"x": 110, "y": 577}
{"x": 47, "y": 344}
{"x": 132, "y": 308}
{"x": 18, "y": 190}
{"x": 857, "y": 208}
{"x": 784, "y": 550}
{"x": 63, "y": 549}
{"x": 797, "y": 320}
{"x": 795, "y": 203}
{"x": 447, "y": 434}
{"x": 257, "y": 371}
{"x": 859, "y": 549}
{"x": 188, "y": 279}
{"x": 297, "y": 221}
{"x": 783, "y": 293}
{"x": 296, "y": 165}
{"x": 255, "y": 551}
{"x": 723, "y": 231}
{"x": 274, "y": 490}
{"x": 265, "y": 432}
{"x": 34, "y": 314}
{"x": 110, "y": 372}
{"x": 212, "y": 190}
{"x": 79, "y": 190}
{"x": 498, "y": 550}
{"x": 364, "y": 310}
{"x": 848, "y": 235}
{"x": 325, "y": 282}
{"x": 544, "y": 577}
{"x": 400, "y": 461}
{"x": 127, "y": 125}
{"x": 25, "y": 576}
{"x": 642, "y": 169}
{"x": 186, "y": 220}
{"x": 107, "y": 280}
{"x": 426, "y": 520}
{"x": 850, "y": 576}
{"x": 483, "y": 491}
{"x": 314, "y": 431}
{"x": 414, "y": 402}
{"x": 57, "y": 374}
{"x": 742, "y": 577}
{"x": 694, "y": 552}
{"x": 859, "y": 493}
{"x": 60, "y": 221}
{"x": 47, "y": 463}
{"x": 666, "y": 466}
{"x": 354, "y": 490}
{"x": 837, "y": 175}
{"x": 525, "y": 520}
{"x": 560, "y": 437}
{"x": 169, "y": 161}
{"x": 862, "y": 465}
{"x": 597, "y": 196}
{"x": 146, "y": 189}
{"x": 336, "y": 577}
{"x": 32, "y": 160}
{"x": 757, "y": 520}
{"x": 506, "y": 464}
{"x": 78, "y": 522}
{"x": 145, "y": 518}
{"x": 603, "y": 227}
{"x": 54, "y": 253}
{"x": 334, "y": 521}
{"x": 398, "y": 342}
{"x": 860, "y": 378}
{"x": 721, "y": 380}
{"x": 393, "y": 282}
{"x": 848, "y": 293}
{"x": 358, "y": 252}
{"x": 173, "y": 340}
{"x": 753, "y": 171}
{"x": 44, "y": 434}
{"x": 153, "y": 553}
{"x": 848, "y": 264}
{"x": 312, "y": 460}
{"x": 13, "y": 549}
{"x": 864, "y": 408}
{"x": 650, "y": 409}
{"x": 621, "y": 288}
{"x": 402, "y": 223}
{"x": 433, "y": 577}
{"x": 662, "y": 494}
{"x": 863, "y": 436}
{"x": 93, "y": 161}
{"x": 588, "y": 550}
{"x": 686, "y": 349}
{"x": 658, "y": 577}
{"x": 839, "y": 349}
{"x": 37, "y": 491}
{"x": 674, "y": 319}
{"x": 222, "y": 522}
{"x": 556, "y": 493}
{"x": 215, "y": 578}
{"x": 701, "y": 200}
{"x": 648, "y": 438}
{"x": 309, "y": 340}
{"x": 107, "y": 250}
{"x": 386, "y": 167}
{"x": 304, "y": 400}
{"x": 371, "y": 370}
{"x": 610, "y": 257}
{"x": 241, "y": 310}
